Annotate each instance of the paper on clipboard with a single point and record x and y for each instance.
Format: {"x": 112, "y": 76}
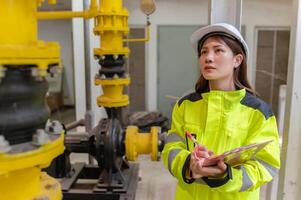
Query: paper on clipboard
{"x": 237, "y": 156}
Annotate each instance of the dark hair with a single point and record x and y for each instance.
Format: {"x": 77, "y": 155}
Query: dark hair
{"x": 240, "y": 73}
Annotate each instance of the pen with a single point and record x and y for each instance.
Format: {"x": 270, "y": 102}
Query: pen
{"x": 195, "y": 143}
{"x": 192, "y": 138}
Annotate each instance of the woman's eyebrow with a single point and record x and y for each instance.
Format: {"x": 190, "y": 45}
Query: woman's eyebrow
{"x": 216, "y": 46}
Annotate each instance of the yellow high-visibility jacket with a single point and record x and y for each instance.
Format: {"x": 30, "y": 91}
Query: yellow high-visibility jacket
{"x": 222, "y": 120}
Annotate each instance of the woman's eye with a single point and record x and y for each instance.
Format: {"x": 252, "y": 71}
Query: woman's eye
{"x": 219, "y": 50}
{"x": 203, "y": 52}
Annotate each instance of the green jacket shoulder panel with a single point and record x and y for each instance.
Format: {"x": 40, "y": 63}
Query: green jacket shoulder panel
{"x": 251, "y": 101}
{"x": 194, "y": 96}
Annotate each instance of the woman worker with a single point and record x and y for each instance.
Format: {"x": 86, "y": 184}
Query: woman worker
{"x": 222, "y": 114}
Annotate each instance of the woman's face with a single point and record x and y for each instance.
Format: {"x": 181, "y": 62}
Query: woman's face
{"x": 217, "y": 60}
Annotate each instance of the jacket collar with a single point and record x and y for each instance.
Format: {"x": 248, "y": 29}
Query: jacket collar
{"x": 234, "y": 95}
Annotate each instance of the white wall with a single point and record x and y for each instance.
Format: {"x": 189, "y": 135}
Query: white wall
{"x": 263, "y": 13}
{"x": 179, "y": 12}
{"x": 195, "y": 12}
{"x": 169, "y": 12}
{"x": 61, "y": 32}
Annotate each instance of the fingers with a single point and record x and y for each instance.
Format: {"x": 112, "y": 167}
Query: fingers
{"x": 200, "y": 148}
{"x": 196, "y": 166}
{"x": 212, "y": 171}
{"x": 199, "y": 170}
{"x": 201, "y": 151}
{"x": 210, "y": 153}
{"x": 202, "y": 154}
{"x": 222, "y": 165}
{"x": 215, "y": 171}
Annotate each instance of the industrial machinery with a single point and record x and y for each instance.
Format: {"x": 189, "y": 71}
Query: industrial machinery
{"x": 29, "y": 141}
{"x": 26, "y": 146}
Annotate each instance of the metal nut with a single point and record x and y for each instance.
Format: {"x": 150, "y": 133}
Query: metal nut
{"x": 2, "y": 71}
{"x": 54, "y": 127}
{"x": 115, "y": 57}
{"x": 40, "y": 137}
{"x": 115, "y": 76}
{"x": 102, "y": 77}
{"x": 34, "y": 72}
{"x": 4, "y": 145}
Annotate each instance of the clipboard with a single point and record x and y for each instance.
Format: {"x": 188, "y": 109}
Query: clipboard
{"x": 237, "y": 156}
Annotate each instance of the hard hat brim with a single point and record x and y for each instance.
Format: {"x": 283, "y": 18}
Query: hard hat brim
{"x": 215, "y": 28}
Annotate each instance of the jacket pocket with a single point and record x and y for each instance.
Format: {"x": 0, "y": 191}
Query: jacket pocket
{"x": 195, "y": 131}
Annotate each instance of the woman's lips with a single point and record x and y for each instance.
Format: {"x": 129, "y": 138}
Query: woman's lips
{"x": 209, "y": 67}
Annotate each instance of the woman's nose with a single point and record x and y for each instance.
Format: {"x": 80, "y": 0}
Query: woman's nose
{"x": 209, "y": 58}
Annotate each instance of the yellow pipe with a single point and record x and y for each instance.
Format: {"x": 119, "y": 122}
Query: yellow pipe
{"x": 52, "y": 2}
{"x": 87, "y": 14}
{"x": 111, "y": 25}
{"x": 141, "y": 143}
{"x": 109, "y": 5}
{"x": 93, "y": 5}
{"x": 146, "y": 39}
{"x": 143, "y": 139}
{"x": 21, "y": 177}
{"x": 18, "y": 22}
{"x": 61, "y": 15}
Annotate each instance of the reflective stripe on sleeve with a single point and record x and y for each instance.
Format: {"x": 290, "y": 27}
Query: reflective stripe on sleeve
{"x": 200, "y": 181}
{"x": 272, "y": 170}
{"x": 246, "y": 181}
{"x": 171, "y": 156}
{"x": 173, "y": 137}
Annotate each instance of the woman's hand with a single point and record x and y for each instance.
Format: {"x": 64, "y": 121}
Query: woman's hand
{"x": 196, "y": 164}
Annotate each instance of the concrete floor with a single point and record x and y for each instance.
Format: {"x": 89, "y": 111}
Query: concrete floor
{"x": 156, "y": 182}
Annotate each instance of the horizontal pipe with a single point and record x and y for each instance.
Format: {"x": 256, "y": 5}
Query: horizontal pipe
{"x": 146, "y": 39}
{"x": 75, "y": 124}
{"x": 60, "y": 15}
{"x": 78, "y": 143}
{"x": 91, "y": 12}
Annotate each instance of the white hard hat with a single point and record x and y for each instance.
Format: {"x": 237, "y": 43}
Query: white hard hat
{"x": 218, "y": 29}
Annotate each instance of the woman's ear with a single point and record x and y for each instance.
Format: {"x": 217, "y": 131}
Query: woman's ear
{"x": 238, "y": 60}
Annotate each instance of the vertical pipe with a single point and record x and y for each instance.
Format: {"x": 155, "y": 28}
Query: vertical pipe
{"x": 89, "y": 113}
{"x": 18, "y": 22}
